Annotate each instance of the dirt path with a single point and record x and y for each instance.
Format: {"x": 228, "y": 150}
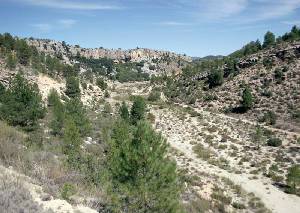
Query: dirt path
{"x": 179, "y": 136}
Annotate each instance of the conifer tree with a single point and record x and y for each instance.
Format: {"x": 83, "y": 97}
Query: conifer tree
{"x": 138, "y": 110}
{"x": 22, "y": 103}
{"x": 247, "y": 101}
{"x": 71, "y": 142}
{"x": 143, "y": 178}
{"x": 123, "y": 111}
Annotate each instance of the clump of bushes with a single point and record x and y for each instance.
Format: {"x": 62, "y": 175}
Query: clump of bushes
{"x": 269, "y": 118}
{"x": 274, "y": 142}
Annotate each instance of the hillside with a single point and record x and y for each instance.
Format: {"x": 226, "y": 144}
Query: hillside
{"x": 92, "y": 130}
{"x": 273, "y": 76}
{"x": 153, "y": 61}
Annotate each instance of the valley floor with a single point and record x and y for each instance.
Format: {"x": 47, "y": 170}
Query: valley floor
{"x": 180, "y": 134}
{"x": 232, "y": 160}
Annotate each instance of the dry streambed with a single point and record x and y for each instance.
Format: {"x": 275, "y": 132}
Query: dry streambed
{"x": 214, "y": 146}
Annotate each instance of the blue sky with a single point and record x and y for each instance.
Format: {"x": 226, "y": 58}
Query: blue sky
{"x": 194, "y": 27}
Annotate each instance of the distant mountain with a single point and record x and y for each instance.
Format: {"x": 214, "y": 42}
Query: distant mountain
{"x": 209, "y": 57}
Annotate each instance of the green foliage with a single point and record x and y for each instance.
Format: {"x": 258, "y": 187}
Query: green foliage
{"x": 278, "y": 75}
{"x": 76, "y": 110}
{"x": 274, "y": 142}
{"x": 216, "y": 78}
{"x": 154, "y": 95}
{"x": 293, "y": 35}
{"x": 101, "y": 83}
{"x": 106, "y": 94}
{"x": 129, "y": 72}
{"x": 71, "y": 142}
{"x": 268, "y": 63}
{"x": 11, "y": 61}
{"x": 258, "y": 137}
{"x": 142, "y": 178}
{"x": 293, "y": 178}
{"x": 124, "y": 112}
{"x": 53, "y": 97}
{"x": 22, "y": 104}
{"x": 269, "y": 39}
{"x": 58, "y": 118}
{"x": 247, "y": 99}
{"x": 269, "y": 117}
{"x": 250, "y": 48}
{"x": 67, "y": 191}
{"x": 72, "y": 87}
{"x": 2, "y": 92}
{"x": 23, "y": 52}
{"x": 107, "y": 109}
{"x": 138, "y": 110}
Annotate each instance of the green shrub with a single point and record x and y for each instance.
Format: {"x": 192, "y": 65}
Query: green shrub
{"x": 237, "y": 205}
{"x": 138, "y": 110}
{"x": 106, "y": 94}
{"x": 72, "y": 87}
{"x": 215, "y": 78}
{"x": 76, "y": 110}
{"x": 142, "y": 178}
{"x": 293, "y": 178}
{"x": 67, "y": 191}
{"x": 154, "y": 96}
{"x": 101, "y": 83}
{"x": 247, "y": 99}
{"x": 22, "y": 104}
{"x": 269, "y": 118}
{"x": 274, "y": 142}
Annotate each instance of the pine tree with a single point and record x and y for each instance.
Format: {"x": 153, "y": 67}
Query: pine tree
{"x": 57, "y": 121}
{"x": 22, "y": 103}
{"x": 76, "y": 110}
{"x": 215, "y": 78}
{"x": 144, "y": 179}
{"x": 269, "y": 39}
{"x": 123, "y": 111}
{"x": 247, "y": 101}
{"x": 138, "y": 110}
{"x": 23, "y": 52}
{"x": 71, "y": 141}
{"x": 72, "y": 87}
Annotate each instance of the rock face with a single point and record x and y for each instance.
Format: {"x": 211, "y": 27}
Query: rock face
{"x": 170, "y": 61}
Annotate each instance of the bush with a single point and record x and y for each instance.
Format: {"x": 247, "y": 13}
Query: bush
{"x": 216, "y": 78}
{"x": 154, "y": 96}
{"x": 106, "y": 94}
{"x": 22, "y": 104}
{"x": 274, "y": 142}
{"x": 293, "y": 178}
{"x": 76, "y": 110}
{"x": 138, "y": 110}
{"x": 142, "y": 178}
{"x": 237, "y": 205}
{"x": 247, "y": 99}
{"x": 67, "y": 191}
{"x": 53, "y": 97}
{"x": 72, "y": 87}
{"x": 278, "y": 75}
{"x": 269, "y": 118}
{"x": 101, "y": 83}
